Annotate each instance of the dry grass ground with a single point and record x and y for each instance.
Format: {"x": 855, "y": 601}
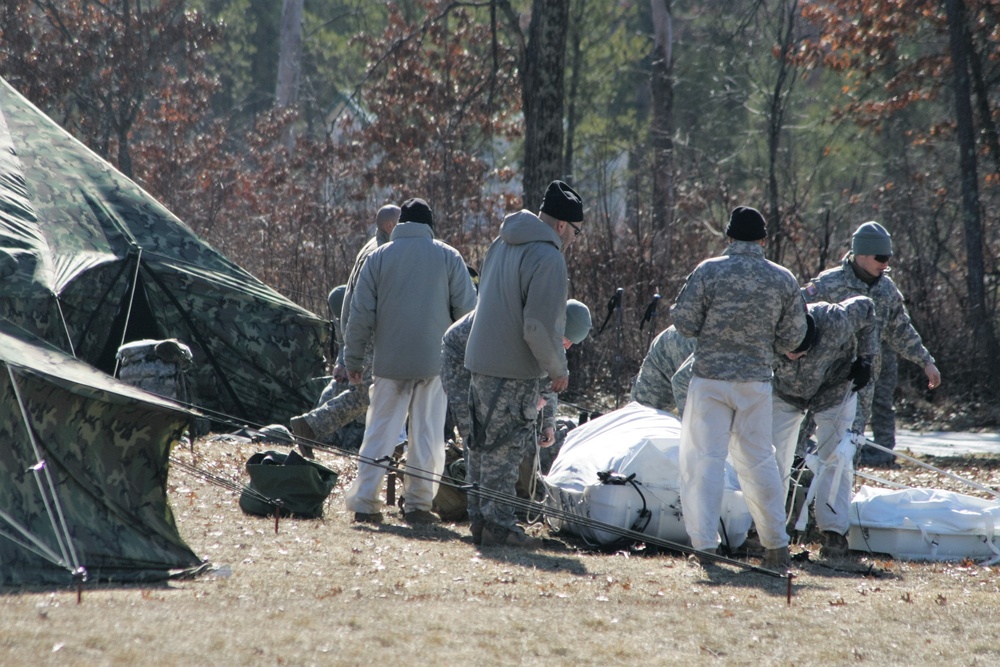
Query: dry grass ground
{"x": 330, "y": 592}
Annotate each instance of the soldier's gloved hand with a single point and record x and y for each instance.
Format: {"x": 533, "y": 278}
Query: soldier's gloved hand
{"x": 861, "y": 373}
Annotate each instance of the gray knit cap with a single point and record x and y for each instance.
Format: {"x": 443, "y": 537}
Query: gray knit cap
{"x": 578, "y": 322}
{"x": 871, "y": 238}
{"x": 336, "y": 300}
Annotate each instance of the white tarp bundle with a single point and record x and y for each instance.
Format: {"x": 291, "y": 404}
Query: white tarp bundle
{"x": 632, "y": 440}
{"x": 923, "y": 524}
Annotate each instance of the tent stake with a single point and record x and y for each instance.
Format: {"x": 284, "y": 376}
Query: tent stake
{"x": 390, "y": 488}
{"x": 790, "y": 577}
{"x": 278, "y": 504}
{"x": 80, "y": 576}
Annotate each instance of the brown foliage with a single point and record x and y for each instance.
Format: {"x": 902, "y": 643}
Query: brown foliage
{"x": 896, "y": 67}
{"x": 97, "y": 64}
{"x": 434, "y": 119}
{"x": 436, "y": 123}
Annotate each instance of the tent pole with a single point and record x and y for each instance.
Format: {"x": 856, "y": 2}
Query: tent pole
{"x": 128, "y": 313}
{"x": 34, "y": 545}
{"x": 62, "y": 318}
{"x": 61, "y": 530}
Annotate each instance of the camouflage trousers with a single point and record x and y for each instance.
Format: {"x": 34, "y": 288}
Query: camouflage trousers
{"x": 456, "y": 386}
{"x": 883, "y": 415}
{"x": 331, "y": 390}
{"x": 503, "y": 411}
{"x": 338, "y": 411}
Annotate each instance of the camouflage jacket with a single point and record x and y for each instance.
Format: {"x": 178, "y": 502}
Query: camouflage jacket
{"x": 743, "y": 309}
{"x": 818, "y": 380}
{"x": 380, "y": 238}
{"x": 456, "y": 377}
{"x": 652, "y": 386}
{"x": 894, "y": 327}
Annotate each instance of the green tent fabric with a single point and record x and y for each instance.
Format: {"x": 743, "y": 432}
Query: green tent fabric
{"x": 84, "y": 462}
{"x": 89, "y": 261}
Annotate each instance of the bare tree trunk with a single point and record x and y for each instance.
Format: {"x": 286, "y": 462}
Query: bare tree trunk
{"x": 286, "y": 92}
{"x": 776, "y": 122}
{"x": 985, "y": 342}
{"x": 576, "y": 62}
{"x": 983, "y": 104}
{"x": 542, "y": 82}
{"x": 662, "y": 132}
{"x": 542, "y": 63}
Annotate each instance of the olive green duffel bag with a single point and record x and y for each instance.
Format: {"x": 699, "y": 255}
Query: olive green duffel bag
{"x": 299, "y": 486}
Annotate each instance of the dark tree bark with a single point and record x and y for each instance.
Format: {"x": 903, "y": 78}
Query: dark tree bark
{"x": 576, "y": 63}
{"x": 286, "y": 92}
{"x": 542, "y": 71}
{"x": 662, "y": 131}
{"x": 983, "y": 104}
{"x": 776, "y": 121}
{"x": 984, "y": 341}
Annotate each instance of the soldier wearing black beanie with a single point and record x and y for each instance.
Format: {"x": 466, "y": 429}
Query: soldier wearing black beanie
{"x": 562, "y": 202}
{"x": 416, "y": 210}
{"x": 746, "y": 224}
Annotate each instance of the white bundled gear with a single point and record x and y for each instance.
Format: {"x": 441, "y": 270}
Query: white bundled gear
{"x": 925, "y": 525}
{"x": 622, "y": 469}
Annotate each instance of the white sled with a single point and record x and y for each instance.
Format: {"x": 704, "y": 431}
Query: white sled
{"x": 634, "y": 440}
{"x": 924, "y": 525}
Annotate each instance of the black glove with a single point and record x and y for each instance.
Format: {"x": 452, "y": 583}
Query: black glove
{"x": 861, "y": 373}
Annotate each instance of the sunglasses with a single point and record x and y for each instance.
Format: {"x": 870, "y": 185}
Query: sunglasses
{"x": 577, "y": 230}
{"x": 882, "y": 259}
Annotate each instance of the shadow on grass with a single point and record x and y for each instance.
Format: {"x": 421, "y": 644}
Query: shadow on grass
{"x": 104, "y": 585}
{"x": 546, "y": 558}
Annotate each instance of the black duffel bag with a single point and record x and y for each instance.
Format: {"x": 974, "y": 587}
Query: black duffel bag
{"x": 300, "y": 485}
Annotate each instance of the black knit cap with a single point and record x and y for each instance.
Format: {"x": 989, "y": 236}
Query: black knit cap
{"x": 809, "y": 338}
{"x": 746, "y": 224}
{"x": 562, "y": 202}
{"x": 416, "y": 210}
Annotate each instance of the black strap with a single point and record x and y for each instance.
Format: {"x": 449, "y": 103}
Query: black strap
{"x": 617, "y": 479}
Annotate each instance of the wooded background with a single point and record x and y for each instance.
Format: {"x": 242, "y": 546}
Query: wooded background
{"x": 277, "y": 129}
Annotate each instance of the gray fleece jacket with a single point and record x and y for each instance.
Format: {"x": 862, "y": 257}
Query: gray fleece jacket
{"x": 521, "y": 314}
{"x": 409, "y": 292}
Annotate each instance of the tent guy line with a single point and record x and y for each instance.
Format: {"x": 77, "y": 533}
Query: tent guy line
{"x": 389, "y": 464}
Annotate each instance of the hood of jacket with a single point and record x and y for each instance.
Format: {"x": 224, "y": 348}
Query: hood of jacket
{"x": 526, "y": 227}
{"x": 411, "y": 230}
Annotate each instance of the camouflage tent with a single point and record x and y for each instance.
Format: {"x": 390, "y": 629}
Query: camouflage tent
{"x": 83, "y": 458}
{"x": 89, "y": 261}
